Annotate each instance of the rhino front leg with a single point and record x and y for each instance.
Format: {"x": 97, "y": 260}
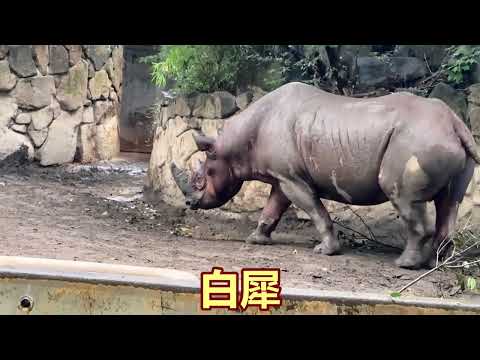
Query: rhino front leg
{"x": 306, "y": 199}
{"x": 276, "y": 206}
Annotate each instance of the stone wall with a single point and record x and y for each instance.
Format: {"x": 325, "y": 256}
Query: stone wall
{"x": 175, "y": 122}
{"x": 60, "y": 102}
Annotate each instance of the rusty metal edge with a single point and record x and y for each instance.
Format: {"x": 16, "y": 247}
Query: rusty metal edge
{"x": 187, "y": 285}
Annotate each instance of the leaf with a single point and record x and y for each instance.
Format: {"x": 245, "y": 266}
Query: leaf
{"x": 471, "y": 283}
{"x": 395, "y": 294}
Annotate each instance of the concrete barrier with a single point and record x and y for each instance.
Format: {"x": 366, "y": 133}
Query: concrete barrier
{"x": 45, "y": 286}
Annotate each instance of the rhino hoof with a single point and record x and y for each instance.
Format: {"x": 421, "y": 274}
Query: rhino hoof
{"x": 259, "y": 239}
{"x": 410, "y": 260}
{"x": 326, "y": 250}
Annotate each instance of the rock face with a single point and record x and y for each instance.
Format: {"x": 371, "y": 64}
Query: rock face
{"x": 433, "y": 54}
{"x": 173, "y": 140}
{"x": 8, "y": 80}
{"x": 21, "y": 60}
{"x": 59, "y": 61}
{"x": 42, "y": 119}
{"x": 23, "y": 118}
{"x": 12, "y": 142}
{"x": 452, "y": 98}
{"x": 396, "y": 71}
{"x": 34, "y": 93}
{"x": 40, "y": 55}
{"x": 72, "y": 90}
{"x": 86, "y": 149}
{"x": 99, "y": 54}
{"x": 38, "y": 136}
{"x": 474, "y": 110}
{"x": 75, "y": 54}
{"x": 8, "y": 108}
{"x": 99, "y": 86}
{"x": 44, "y": 98}
{"x": 61, "y": 143}
{"x": 106, "y": 138}
{"x": 3, "y": 51}
{"x": 244, "y": 99}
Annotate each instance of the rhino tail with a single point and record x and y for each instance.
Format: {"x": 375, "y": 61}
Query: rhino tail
{"x": 466, "y": 138}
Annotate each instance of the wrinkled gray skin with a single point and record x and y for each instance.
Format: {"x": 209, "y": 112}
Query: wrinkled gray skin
{"x": 311, "y": 145}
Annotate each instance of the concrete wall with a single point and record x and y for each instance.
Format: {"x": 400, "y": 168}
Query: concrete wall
{"x": 139, "y": 95}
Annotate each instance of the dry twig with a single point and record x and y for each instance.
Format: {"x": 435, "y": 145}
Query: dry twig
{"x": 452, "y": 261}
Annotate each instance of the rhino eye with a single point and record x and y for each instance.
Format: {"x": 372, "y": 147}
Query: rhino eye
{"x": 210, "y": 172}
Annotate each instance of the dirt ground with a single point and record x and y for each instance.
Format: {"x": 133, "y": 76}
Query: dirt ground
{"x": 98, "y": 214}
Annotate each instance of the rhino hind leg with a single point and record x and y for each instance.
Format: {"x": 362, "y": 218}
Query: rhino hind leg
{"x": 306, "y": 199}
{"x": 276, "y": 206}
{"x": 415, "y": 254}
{"x": 407, "y": 193}
{"x": 447, "y": 202}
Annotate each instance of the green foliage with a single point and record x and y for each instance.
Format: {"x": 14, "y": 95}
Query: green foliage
{"x": 208, "y": 68}
{"x": 471, "y": 284}
{"x": 461, "y": 60}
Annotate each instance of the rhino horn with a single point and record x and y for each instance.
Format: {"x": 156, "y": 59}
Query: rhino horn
{"x": 181, "y": 179}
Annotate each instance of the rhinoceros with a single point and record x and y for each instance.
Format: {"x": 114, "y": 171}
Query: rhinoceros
{"x": 310, "y": 145}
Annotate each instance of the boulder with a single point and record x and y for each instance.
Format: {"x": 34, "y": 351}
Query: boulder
{"x": 204, "y": 106}
{"x": 61, "y": 143}
{"x": 91, "y": 70}
{"x": 72, "y": 89}
{"x": 21, "y": 60}
{"x": 107, "y": 138}
{"x": 88, "y": 117}
{"x": 59, "y": 61}
{"x": 474, "y": 119}
{"x": 74, "y": 53}
{"x": 475, "y": 73}
{"x": 109, "y": 68}
{"x": 372, "y": 72}
{"x": 86, "y": 149}
{"x": 38, "y": 136}
{"x": 217, "y": 105}
{"x": 113, "y": 96}
{"x": 474, "y": 94}
{"x": 99, "y": 85}
{"x": 3, "y": 51}
{"x": 19, "y": 128}
{"x": 118, "y": 63}
{"x": 225, "y": 104}
{"x": 8, "y": 80}
{"x": 103, "y": 109}
{"x": 347, "y": 57}
{"x": 182, "y": 106}
{"x": 407, "y": 69}
{"x": 453, "y": 98}
{"x": 41, "y": 119}
{"x": 8, "y": 109}
{"x": 98, "y": 54}
{"x": 12, "y": 143}
{"x": 257, "y": 93}
{"x": 34, "y": 93}
{"x": 244, "y": 99}
{"x": 433, "y": 54}
{"x": 389, "y": 72}
{"x": 23, "y": 118}
{"x": 41, "y": 58}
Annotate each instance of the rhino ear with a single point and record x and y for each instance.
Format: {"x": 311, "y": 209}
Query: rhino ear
{"x": 205, "y": 143}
